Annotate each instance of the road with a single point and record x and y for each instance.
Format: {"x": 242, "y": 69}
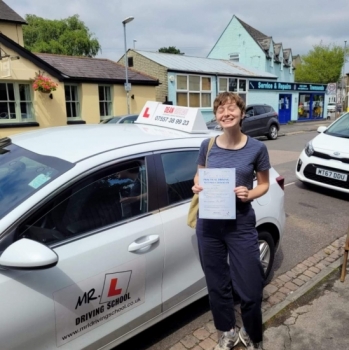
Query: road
{"x": 315, "y": 218}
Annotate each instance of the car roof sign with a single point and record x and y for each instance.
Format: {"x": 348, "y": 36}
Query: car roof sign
{"x": 179, "y": 118}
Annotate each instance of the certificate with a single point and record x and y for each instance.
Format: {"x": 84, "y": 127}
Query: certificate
{"x": 217, "y": 200}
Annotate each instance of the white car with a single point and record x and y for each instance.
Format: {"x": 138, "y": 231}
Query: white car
{"x": 325, "y": 159}
{"x": 331, "y": 107}
{"x": 94, "y": 242}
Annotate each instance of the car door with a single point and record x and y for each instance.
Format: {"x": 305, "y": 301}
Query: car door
{"x": 250, "y": 122}
{"x": 183, "y": 276}
{"x": 107, "y": 233}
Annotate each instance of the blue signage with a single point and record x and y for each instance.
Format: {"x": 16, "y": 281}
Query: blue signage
{"x": 282, "y": 86}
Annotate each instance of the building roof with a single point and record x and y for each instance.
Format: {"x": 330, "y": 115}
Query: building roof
{"x": 8, "y": 15}
{"x": 256, "y": 34}
{"x": 189, "y": 64}
{"x": 86, "y": 68}
{"x": 92, "y": 139}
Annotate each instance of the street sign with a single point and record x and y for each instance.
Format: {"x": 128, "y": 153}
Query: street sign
{"x": 331, "y": 88}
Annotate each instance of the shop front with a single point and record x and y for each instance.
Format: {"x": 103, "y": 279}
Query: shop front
{"x": 295, "y": 102}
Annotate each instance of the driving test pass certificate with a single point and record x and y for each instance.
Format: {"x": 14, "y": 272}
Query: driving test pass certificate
{"x": 217, "y": 200}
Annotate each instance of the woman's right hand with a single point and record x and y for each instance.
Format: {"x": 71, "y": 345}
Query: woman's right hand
{"x": 196, "y": 189}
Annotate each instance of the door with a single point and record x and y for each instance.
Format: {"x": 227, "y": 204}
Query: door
{"x": 183, "y": 276}
{"x": 285, "y": 108}
{"x": 108, "y": 236}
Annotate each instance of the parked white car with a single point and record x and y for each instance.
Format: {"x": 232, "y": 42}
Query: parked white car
{"x": 325, "y": 159}
{"x": 93, "y": 236}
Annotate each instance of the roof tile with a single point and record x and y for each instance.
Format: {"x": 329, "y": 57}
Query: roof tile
{"x": 8, "y": 15}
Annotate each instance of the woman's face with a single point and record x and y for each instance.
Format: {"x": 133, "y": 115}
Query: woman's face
{"x": 229, "y": 115}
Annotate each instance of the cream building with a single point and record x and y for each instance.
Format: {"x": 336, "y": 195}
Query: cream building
{"x": 89, "y": 89}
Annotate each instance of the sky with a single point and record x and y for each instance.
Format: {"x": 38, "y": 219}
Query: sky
{"x": 194, "y": 26}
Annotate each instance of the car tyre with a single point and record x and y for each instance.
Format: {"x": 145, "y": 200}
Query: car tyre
{"x": 267, "y": 251}
{"x": 273, "y": 132}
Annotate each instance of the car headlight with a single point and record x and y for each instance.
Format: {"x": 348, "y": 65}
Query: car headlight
{"x": 309, "y": 150}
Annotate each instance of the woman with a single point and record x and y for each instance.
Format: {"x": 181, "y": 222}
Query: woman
{"x": 236, "y": 239}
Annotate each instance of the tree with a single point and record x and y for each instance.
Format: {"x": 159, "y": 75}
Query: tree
{"x": 322, "y": 64}
{"x": 171, "y": 49}
{"x": 68, "y": 36}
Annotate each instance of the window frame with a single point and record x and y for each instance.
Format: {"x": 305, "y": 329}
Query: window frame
{"x": 77, "y": 102}
{"x": 242, "y": 92}
{"x": 162, "y": 184}
{"x": 9, "y": 235}
{"x": 17, "y": 101}
{"x": 108, "y": 102}
{"x": 200, "y": 92}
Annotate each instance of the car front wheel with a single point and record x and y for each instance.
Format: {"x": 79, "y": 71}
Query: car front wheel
{"x": 267, "y": 251}
{"x": 273, "y": 132}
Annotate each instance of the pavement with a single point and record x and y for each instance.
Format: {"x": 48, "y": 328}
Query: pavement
{"x": 299, "y": 313}
{"x": 299, "y": 127}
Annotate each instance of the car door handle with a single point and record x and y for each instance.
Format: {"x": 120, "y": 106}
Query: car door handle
{"x": 143, "y": 242}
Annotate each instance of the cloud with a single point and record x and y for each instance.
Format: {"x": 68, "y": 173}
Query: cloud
{"x": 194, "y": 26}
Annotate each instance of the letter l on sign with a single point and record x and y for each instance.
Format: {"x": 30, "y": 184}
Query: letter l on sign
{"x": 145, "y": 114}
{"x": 112, "y": 289}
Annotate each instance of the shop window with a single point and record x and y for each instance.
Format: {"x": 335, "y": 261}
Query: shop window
{"x": 311, "y": 106}
{"x": 238, "y": 86}
{"x": 105, "y": 101}
{"x": 16, "y": 103}
{"x": 194, "y": 91}
{"x": 72, "y": 102}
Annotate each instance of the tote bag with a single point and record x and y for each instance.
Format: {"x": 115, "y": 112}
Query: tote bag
{"x": 194, "y": 204}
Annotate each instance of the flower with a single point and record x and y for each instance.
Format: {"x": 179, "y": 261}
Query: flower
{"x": 44, "y": 84}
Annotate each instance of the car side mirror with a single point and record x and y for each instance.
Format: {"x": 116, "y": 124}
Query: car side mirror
{"x": 321, "y": 129}
{"x": 26, "y": 254}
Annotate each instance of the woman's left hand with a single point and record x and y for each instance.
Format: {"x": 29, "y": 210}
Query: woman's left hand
{"x": 242, "y": 192}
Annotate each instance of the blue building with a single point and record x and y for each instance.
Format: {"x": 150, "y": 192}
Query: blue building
{"x": 242, "y": 43}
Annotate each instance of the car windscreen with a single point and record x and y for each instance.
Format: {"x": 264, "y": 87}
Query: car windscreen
{"x": 22, "y": 173}
{"x": 340, "y": 128}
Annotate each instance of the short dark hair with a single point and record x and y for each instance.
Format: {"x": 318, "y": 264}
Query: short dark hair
{"x": 226, "y": 96}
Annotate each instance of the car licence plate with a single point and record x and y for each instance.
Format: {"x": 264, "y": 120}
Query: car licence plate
{"x": 331, "y": 174}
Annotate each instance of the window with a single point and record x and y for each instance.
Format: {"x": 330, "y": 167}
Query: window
{"x": 72, "y": 101}
{"x": 22, "y": 173}
{"x": 15, "y": 103}
{"x": 194, "y": 91}
{"x": 180, "y": 169}
{"x": 100, "y": 200}
{"x": 130, "y": 61}
{"x": 235, "y": 85}
{"x": 258, "y": 110}
{"x": 105, "y": 101}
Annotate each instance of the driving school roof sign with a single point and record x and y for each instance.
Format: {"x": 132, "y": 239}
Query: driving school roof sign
{"x": 185, "y": 119}
{"x": 281, "y": 86}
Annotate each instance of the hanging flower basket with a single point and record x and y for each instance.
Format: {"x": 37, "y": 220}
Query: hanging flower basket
{"x": 44, "y": 84}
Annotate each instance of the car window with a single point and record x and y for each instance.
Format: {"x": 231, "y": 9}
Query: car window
{"x": 129, "y": 120}
{"x": 180, "y": 169}
{"x": 258, "y": 110}
{"x": 22, "y": 173}
{"x": 267, "y": 109}
{"x": 100, "y": 200}
{"x": 340, "y": 128}
{"x": 249, "y": 112}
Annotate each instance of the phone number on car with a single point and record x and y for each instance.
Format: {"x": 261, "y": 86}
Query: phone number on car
{"x": 170, "y": 120}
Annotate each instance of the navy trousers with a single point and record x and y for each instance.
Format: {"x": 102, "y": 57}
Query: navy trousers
{"x": 237, "y": 240}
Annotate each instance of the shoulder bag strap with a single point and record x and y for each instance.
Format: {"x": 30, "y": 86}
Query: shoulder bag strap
{"x": 210, "y": 144}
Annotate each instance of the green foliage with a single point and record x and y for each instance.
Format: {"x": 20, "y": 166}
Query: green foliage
{"x": 171, "y": 49}
{"x": 322, "y": 64}
{"x": 67, "y": 36}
